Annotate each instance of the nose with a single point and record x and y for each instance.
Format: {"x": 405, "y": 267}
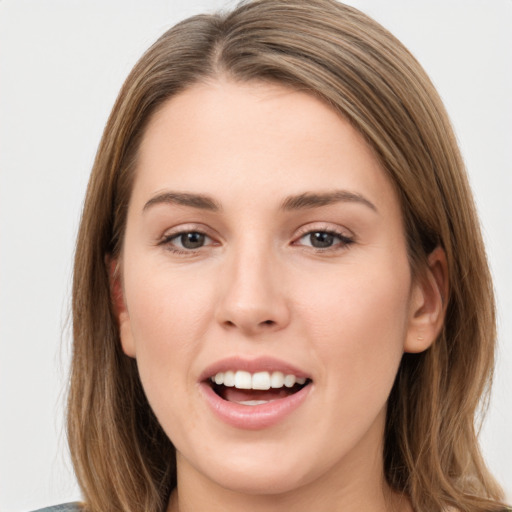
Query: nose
{"x": 252, "y": 297}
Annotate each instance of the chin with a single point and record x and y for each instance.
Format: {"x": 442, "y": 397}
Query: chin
{"x": 260, "y": 480}
{"x": 261, "y": 469}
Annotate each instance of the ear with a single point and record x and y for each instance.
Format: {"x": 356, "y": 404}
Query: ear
{"x": 429, "y": 297}
{"x": 119, "y": 305}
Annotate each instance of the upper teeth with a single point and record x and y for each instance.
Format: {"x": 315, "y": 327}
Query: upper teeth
{"x": 260, "y": 380}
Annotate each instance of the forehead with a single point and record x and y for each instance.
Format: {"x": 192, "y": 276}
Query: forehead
{"x": 227, "y": 138}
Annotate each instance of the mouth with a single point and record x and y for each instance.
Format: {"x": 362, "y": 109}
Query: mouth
{"x": 254, "y": 394}
{"x": 256, "y": 389}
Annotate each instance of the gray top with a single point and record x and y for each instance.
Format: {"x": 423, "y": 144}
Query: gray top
{"x": 64, "y": 507}
{"x": 75, "y": 507}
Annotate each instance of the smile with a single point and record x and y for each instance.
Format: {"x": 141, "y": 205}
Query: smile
{"x": 246, "y": 388}
{"x": 256, "y": 396}
{"x": 257, "y": 381}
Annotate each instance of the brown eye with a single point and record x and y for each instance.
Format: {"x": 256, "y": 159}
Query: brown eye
{"x": 192, "y": 240}
{"x": 186, "y": 241}
{"x": 324, "y": 240}
{"x": 321, "y": 239}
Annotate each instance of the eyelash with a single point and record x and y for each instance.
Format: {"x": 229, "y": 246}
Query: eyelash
{"x": 343, "y": 241}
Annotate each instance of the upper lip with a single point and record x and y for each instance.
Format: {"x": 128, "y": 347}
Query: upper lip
{"x": 258, "y": 364}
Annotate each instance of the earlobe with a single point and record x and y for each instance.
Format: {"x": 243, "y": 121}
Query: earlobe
{"x": 119, "y": 305}
{"x": 428, "y": 303}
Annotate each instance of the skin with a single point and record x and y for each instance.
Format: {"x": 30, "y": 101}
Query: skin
{"x": 344, "y": 314}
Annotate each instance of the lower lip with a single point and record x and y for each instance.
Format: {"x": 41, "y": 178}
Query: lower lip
{"x": 253, "y": 417}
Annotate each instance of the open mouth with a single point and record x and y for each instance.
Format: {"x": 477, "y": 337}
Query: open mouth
{"x": 258, "y": 388}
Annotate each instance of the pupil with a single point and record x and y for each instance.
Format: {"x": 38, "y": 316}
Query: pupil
{"x": 321, "y": 239}
{"x": 192, "y": 240}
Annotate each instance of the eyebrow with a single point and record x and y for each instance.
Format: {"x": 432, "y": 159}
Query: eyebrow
{"x": 316, "y": 200}
{"x": 184, "y": 199}
{"x": 302, "y": 201}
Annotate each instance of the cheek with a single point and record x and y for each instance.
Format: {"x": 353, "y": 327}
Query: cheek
{"x": 168, "y": 321}
{"x": 359, "y": 329}
{"x": 359, "y": 323}
{"x": 166, "y": 307}
{"x": 169, "y": 318}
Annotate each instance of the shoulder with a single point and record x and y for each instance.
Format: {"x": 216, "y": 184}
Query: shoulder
{"x": 64, "y": 507}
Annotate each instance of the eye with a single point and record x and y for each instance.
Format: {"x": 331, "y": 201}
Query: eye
{"x": 187, "y": 241}
{"x": 192, "y": 240}
{"x": 324, "y": 239}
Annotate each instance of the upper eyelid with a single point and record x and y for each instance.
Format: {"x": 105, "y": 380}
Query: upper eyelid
{"x": 171, "y": 236}
{"x": 187, "y": 228}
{"x": 324, "y": 227}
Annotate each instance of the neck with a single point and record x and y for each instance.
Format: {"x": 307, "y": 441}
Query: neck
{"x": 357, "y": 483}
{"x": 335, "y": 500}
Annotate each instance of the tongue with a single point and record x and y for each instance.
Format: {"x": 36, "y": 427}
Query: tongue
{"x": 244, "y": 395}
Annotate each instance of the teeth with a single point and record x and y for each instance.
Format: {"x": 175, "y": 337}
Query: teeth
{"x": 260, "y": 380}
{"x": 243, "y": 380}
{"x": 229, "y": 379}
{"x": 253, "y": 402}
{"x": 289, "y": 381}
{"x": 277, "y": 380}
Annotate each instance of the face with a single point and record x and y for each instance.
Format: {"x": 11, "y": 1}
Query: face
{"x": 265, "y": 251}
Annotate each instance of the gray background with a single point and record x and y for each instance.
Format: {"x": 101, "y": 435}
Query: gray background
{"x": 62, "y": 63}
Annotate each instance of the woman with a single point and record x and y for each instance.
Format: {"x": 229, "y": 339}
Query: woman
{"x": 281, "y": 297}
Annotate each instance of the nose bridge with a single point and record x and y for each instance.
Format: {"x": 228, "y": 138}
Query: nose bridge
{"x": 253, "y": 298}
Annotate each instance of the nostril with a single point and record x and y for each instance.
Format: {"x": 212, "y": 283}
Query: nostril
{"x": 248, "y": 324}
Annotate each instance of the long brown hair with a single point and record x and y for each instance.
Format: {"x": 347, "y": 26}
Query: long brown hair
{"x": 123, "y": 459}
